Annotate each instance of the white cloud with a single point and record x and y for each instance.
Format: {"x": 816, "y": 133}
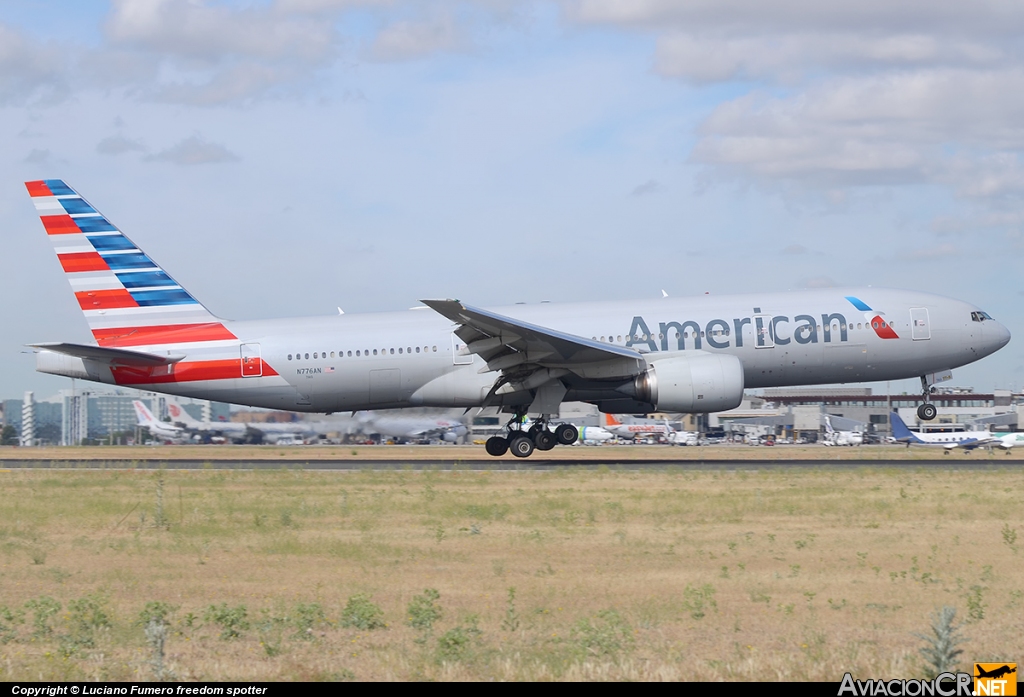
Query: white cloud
{"x": 930, "y": 253}
{"x": 648, "y": 187}
{"x": 118, "y": 145}
{"x": 406, "y": 40}
{"x": 818, "y": 282}
{"x": 195, "y": 150}
{"x": 29, "y": 70}
{"x": 957, "y": 128}
{"x": 199, "y": 30}
{"x": 836, "y": 96}
{"x": 39, "y": 156}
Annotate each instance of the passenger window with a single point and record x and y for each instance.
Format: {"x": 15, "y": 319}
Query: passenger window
{"x": 375, "y": 352}
{"x": 392, "y": 352}
{"x": 417, "y": 349}
{"x": 289, "y": 356}
{"x": 307, "y": 356}
{"x": 435, "y": 349}
{"x": 350, "y": 354}
{"x": 399, "y": 350}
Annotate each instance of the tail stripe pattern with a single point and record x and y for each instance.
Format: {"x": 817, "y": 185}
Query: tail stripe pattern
{"x": 127, "y": 299}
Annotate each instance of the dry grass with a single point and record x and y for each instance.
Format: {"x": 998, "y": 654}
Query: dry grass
{"x": 774, "y": 574}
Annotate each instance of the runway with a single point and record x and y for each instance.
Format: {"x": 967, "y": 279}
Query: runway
{"x": 499, "y": 464}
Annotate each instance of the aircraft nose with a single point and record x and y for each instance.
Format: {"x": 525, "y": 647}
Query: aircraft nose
{"x": 995, "y": 335}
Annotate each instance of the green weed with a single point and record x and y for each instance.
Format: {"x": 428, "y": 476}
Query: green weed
{"x": 605, "y": 634}
{"x": 697, "y": 601}
{"x": 232, "y": 620}
{"x": 360, "y": 613}
{"x": 423, "y": 610}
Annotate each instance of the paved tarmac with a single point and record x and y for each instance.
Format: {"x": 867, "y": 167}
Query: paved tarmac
{"x": 499, "y": 464}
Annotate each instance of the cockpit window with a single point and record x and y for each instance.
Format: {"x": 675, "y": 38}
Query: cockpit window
{"x": 980, "y": 316}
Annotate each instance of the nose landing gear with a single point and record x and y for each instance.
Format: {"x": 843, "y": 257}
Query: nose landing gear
{"x": 926, "y": 411}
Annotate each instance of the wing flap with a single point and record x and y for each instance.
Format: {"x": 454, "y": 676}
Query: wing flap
{"x": 505, "y": 343}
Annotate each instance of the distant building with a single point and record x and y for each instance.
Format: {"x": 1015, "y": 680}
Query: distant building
{"x": 75, "y": 415}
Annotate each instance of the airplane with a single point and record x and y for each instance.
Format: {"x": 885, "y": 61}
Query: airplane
{"x": 594, "y": 435}
{"x": 413, "y": 427}
{"x": 994, "y": 673}
{"x": 968, "y": 440}
{"x": 834, "y": 437}
{"x": 679, "y": 355}
{"x": 684, "y": 438}
{"x": 270, "y": 432}
{"x": 1008, "y": 440}
{"x": 157, "y": 428}
{"x": 634, "y": 430}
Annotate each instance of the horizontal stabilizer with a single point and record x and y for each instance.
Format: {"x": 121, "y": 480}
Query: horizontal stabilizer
{"x": 112, "y": 356}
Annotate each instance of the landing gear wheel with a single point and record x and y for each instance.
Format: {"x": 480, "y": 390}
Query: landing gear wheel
{"x": 567, "y": 434}
{"x": 534, "y": 430}
{"x": 927, "y": 411}
{"x": 496, "y": 446}
{"x": 521, "y": 446}
{"x": 545, "y": 440}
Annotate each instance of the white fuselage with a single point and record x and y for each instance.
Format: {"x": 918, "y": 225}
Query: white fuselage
{"x": 402, "y": 359}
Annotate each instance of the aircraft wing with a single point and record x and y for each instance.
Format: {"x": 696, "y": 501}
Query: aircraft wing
{"x": 112, "y": 356}
{"x": 506, "y": 343}
{"x": 971, "y": 443}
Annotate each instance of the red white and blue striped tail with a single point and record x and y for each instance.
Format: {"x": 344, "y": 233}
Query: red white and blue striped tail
{"x": 127, "y": 299}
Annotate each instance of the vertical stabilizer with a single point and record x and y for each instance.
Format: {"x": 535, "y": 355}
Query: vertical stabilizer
{"x": 127, "y": 299}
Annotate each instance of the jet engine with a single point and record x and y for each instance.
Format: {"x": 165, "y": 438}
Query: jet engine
{"x": 694, "y": 383}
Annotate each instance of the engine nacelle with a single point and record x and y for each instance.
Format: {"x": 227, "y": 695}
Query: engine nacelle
{"x": 695, "y": 383}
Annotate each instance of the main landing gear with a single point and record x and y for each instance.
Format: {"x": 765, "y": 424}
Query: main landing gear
{"x": 926, "y": 411}
{"x": 540, "y": 436}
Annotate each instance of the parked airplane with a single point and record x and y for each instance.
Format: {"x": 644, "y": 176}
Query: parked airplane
{"x": 834, "y": 437}
{"x": 158, "y": 429}
{"x": 950, "y": 441}
{"x": 635, "y": 430}
{"x": 413, "y": 427}
{"x": 680, "y": 355}
{"x": 684, "y": 438}
{"x": 594, "y": 435}
{"x": 270, "y": 432}
{"x": 1007, "y": 441}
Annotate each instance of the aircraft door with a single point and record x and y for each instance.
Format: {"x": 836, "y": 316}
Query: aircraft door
{"x": 457, "y": 346}
{"x": 764, "y": 337}
{"x": 920, "y": 327}
{"x": 252, "y": 361}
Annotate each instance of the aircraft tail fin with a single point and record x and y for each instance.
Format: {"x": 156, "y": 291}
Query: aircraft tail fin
{"x": 828, "y": 424}
{"x": 178, "y": 414}
{"x": 900, "y": 431}
{"x": 144, "y": 415}
{"x": 127, "y": 299}
{"x": 610, "y": 420}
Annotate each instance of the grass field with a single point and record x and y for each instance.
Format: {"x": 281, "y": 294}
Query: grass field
{"x": 287, "y": 574}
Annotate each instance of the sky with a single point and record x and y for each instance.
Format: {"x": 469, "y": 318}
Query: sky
{"x": 289, "y": 157}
